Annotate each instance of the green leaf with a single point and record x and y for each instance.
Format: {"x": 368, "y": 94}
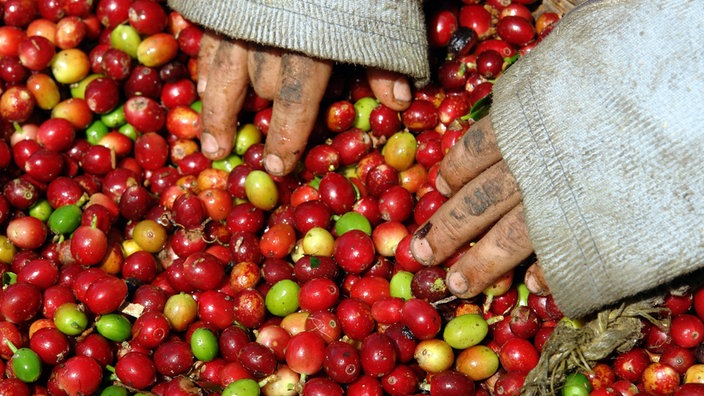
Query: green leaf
{"x": 315, "y": 182}
{"x": 9, "y": 278}
{"x": 480, "y": 109}
{"x": 511, "y": 60}
{"x": 314, "y": 262}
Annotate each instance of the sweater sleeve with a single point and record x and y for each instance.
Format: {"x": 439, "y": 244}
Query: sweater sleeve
{"x": 602, "y": 126}
{"x": 386, "y": 34}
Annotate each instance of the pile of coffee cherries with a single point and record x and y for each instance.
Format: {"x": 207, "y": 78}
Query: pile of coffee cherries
{"x": 133, "y": 264}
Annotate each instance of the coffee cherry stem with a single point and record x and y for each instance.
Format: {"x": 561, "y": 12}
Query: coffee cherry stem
{"x": 444, "y": 301}
{"x": 523, "y": 294}
{"x": 494, "y": 319}
{"x": 266, "y": 380}
{"x": 12, "y": 346}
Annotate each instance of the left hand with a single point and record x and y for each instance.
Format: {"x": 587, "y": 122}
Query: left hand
{"x": 294, "y": 82}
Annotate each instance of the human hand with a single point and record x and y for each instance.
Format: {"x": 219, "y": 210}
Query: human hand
{"x": 485, "y": 202}
{"x": 294, "y": 82}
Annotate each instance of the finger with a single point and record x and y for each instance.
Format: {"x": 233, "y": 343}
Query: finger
{"x": 208, "y": 47}
{"x": 301, "y": 87}
{"x": 472, "y": 154}
{"x": 474, "y": 208}
{"x": 223, "y": 98}
{"x": 502, "y": 248}
{"x": 392, "y": 89}
{"x": 535, "y": 280}
{"x": 264, "y": 66}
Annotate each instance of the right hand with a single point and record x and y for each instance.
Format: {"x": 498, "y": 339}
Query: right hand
{"x": 484, "y": 205}
{"x": 293, "y": 81}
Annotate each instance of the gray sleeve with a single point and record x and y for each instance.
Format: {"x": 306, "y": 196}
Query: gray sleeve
{"x": 602, "y": 126}
{"x": 387, "y": 34}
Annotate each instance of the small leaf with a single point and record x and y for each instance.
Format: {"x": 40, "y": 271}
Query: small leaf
{"x": 315, "y": 182}
{"x": 314, "y": 262}
{"x": 9, "y": 278}
{"x": 511, "y": 60}
{"x": 480, "y": 109}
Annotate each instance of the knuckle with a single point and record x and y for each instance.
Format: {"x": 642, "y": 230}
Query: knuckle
{"x": 512, "y": 235}
{"x": 479, "y": 139}
{"x": 263, "y": 71}
{"x": 290, "y": 95}
{"x": 487, "y": 196}
{"x": 473, "y": 142}
{"x": 293, "y": 81}
{"x": 448, "y": 231}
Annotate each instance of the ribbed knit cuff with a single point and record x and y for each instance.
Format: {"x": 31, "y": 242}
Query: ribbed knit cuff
{"x": 386, "y": 34}
{"x": 561, "y": 239}
{"x": 601, "y": 126}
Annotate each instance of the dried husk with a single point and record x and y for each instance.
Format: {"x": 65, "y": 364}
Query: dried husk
{"x": 571, "y": 348}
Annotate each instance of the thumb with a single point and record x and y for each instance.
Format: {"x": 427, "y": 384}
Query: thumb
{"x": 392, "y": 89}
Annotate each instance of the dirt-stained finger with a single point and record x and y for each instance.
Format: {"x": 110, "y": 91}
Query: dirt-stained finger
{"x": 223, "y": 98}
{"x": 208, "y": 46}
{"x": 301, "y": 86}
{"x": 472, "y": 154}
{"x": 471, "y": 211}
{"x": 392, "y": 89}
{"x": 264, "y": 66}
{"x": 535, "y": 280}
{"x": 502, "y": 248}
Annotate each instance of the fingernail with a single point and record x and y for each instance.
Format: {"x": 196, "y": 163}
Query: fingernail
{"x": 421, "y": 250}
{"x": 442, "y": 186}
{"x": 535, "y": 286}
{"x": 274, "y": 164}
{"x": 457, "y": 283}
{"x": 532, "y": 285}
{"x": 402, "y": 91}
{"x": 200, "y": 88}
{"x": 208, "y": 144}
